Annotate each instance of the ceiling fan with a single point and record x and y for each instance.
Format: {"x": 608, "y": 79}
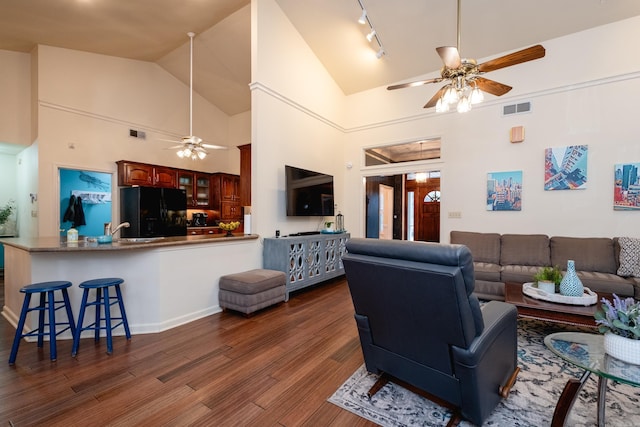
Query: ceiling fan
{"x": 465, "y": 83}
{"x": 191, "y": 145}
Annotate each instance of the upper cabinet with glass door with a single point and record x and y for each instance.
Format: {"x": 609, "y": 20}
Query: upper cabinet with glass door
{"x": 198, "y": 188}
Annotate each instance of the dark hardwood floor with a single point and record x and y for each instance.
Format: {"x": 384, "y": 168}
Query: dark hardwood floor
{"x": 276, "y": 368}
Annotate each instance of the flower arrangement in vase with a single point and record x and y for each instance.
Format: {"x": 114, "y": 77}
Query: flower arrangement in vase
{"x": 548, "y": 279}
{"x": 619, "y": 321}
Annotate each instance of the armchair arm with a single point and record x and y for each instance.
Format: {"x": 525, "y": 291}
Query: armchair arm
{"x": 487, "y": 369}
{"x": 497, "y": 317}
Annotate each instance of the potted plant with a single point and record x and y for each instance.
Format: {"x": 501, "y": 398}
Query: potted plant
{"x": 548, "y": 279}
{"x": 619, "y": 321}
{"x": 5, "y": 213}
{"x": 327, "y": 225}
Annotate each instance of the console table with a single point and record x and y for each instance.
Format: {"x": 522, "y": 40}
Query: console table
{"x": 306, "y": 260}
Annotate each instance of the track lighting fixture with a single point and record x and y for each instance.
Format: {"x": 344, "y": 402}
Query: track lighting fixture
{"x": 363, "y": 17}
{"x": 372, "y": 34}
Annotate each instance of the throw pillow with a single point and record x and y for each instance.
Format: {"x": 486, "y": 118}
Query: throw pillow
{"x": 629, "y": 256}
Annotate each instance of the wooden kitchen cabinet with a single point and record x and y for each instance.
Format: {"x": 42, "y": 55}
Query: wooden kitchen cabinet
{"x": 197, "y": 187}
{"x": 132, "y": 173}
{"x": 226, "y": 196}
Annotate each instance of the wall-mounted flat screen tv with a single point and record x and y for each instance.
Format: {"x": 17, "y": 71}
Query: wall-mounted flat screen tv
{"x": 308, "y": 193}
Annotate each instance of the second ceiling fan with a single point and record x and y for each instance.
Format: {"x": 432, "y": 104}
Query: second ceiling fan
{"x": 191, "y": 146}
{"x": 465, "y": 83}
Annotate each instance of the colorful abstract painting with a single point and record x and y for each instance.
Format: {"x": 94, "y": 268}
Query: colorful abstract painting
{"x": 565, "y": 168}
{"x": 504, "y": 191}
{"x": 626, "y": 187}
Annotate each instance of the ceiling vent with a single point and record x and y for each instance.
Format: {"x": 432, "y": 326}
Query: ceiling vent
{"x": 524, "y": 107}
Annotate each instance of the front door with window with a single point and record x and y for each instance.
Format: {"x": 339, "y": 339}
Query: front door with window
{"x": 425, "y": 224}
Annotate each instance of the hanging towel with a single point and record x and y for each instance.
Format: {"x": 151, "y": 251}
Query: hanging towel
{"x": 78, "y": 219}
{"x": 69, "y": 214}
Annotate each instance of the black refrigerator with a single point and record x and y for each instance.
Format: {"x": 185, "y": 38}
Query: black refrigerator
{"x": 153, "y": 212}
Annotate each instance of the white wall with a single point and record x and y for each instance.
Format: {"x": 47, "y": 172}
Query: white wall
{"x": 87, "y": 104}
{"x": 15, "y": 110}
{"x": 26, "y": 182}
{"x": 295, "y": 105}
{"x": 579, "y": 96}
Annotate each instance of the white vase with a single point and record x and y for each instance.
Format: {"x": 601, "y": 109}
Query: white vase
{"x": 548, "y": 287}
{"x": 622, "y": 348}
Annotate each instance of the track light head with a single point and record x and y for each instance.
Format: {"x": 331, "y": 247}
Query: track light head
{"x": 371, "y": 35}
{"x": 363, "y": 18}
{"x": 380, "y": 53}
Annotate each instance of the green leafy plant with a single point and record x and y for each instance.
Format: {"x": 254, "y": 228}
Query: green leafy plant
{"x": 6, "y": 212}
{"x": 549, "y": 274}
{"x": 622, "y": 317}
{"x": 328, "y": 224}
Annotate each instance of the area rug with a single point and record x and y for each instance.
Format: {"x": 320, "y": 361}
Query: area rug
{"x": 531, "y": 402}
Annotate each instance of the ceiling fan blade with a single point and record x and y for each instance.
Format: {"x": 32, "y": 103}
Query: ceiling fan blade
{"x": 214, "y": 147}
{"x": 434, "y": 100}
{"x": 491, "y": 86}
{"x": 414, "y": 84}
{"x": 524, "y": 55}
{"x": 450, "y": 56}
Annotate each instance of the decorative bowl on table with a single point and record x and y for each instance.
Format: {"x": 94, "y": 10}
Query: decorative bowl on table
{"x": 229, "y": 226}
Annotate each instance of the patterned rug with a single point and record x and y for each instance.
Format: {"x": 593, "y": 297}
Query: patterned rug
{"x": 531, "y": 402}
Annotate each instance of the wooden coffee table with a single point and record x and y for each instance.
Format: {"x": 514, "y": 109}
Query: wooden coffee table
{"x": 533, "y": 308}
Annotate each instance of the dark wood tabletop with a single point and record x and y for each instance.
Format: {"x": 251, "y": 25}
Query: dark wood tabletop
{"x": 551, "y": 311}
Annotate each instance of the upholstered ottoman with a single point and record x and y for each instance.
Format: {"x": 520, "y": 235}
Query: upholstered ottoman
{"x": 252, "y": 290}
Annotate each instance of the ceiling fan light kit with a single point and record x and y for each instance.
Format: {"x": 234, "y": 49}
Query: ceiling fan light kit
{"x": 465, "y": 84}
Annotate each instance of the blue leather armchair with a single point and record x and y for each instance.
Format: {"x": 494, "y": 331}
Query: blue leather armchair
{"x": 420, "y": 323}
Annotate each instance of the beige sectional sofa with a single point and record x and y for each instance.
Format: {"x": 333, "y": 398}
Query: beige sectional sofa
{"x": 500, "y": 258}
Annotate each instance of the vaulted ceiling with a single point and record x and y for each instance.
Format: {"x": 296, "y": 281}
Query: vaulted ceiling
{"x": 409, "y": 30}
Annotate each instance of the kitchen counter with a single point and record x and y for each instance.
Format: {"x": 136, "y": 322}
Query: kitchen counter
{"x": 55, "y": 244}
{"x": 167, "y": 282}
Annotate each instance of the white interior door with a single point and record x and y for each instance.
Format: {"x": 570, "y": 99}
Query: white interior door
{"x": 386, "y": 212}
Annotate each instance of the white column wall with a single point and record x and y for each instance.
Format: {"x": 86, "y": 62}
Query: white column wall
{"x": 295, "y": 106}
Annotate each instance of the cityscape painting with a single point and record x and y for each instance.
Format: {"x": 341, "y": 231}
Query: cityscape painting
{"x": 626, "y": 189}
{"x": 565, "y": 168}
{"x": 504, "y": 191}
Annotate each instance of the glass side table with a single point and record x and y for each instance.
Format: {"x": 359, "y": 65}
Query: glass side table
{"x": 587, "y": 352}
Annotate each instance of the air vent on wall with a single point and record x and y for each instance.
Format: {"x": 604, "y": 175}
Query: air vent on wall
{"x": 524, "y": 107}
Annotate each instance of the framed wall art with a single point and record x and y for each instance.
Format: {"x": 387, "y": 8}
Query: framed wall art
{"x": 565, "y": 168}
{"x": 504, "y": 191}
{"x": 626, "y": 187}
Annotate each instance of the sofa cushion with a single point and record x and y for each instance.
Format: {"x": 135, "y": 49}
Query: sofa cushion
{"x": 489, "y": 290}
{"x": 525, "y": 249}
{"x": 629, "y": 257}
{"x": 518, "y": 273}
{"x": 486, "y": 271}
{"x": 484, "y": 247}
{"x": 589, "y": 253}
{"x": 606, "y": 282}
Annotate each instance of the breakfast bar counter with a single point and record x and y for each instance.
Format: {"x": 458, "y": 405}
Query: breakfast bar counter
{"x": 167, "y": 281}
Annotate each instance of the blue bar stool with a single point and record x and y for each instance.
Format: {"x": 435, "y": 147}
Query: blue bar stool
{"x": 102, "y": 302}
{"x": 48, "y": 304}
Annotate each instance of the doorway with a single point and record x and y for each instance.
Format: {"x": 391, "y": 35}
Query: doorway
{"x": 385, "y": 218}
{"x": 423, "y": 206}
{"x": 403, "y": 207}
